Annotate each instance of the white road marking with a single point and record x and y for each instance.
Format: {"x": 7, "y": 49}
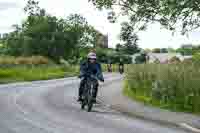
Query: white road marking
{"x": 185, "y": 125}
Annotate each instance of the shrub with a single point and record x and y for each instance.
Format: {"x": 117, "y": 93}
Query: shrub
{"x": 174, "y": 60}
{"x": 22, "y": 60}
{"x": 196, "y": 57}
{"x": 141, "y": 59}
{"x": 34, "y": 60}
{"x": 7, "y": 60}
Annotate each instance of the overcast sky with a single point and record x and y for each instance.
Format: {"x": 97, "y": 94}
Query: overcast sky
{"x": 11, "y": 12}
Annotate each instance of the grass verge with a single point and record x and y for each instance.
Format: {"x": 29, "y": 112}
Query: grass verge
{"x": 27, "y": 73}
{"x": 149, "y": 101}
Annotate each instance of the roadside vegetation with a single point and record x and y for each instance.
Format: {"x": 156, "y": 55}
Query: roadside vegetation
{"x": 33, "y": 60}
{"x": 17, "y": 69}
{"x": 172, "y": 86}
{"x": 27, "y": 73}
{"x": 45, "y": 46}
{"x": 168, "y": 86}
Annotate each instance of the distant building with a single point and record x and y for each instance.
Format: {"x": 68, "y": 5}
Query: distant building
{"x": 165, "y": 57}
{"x": 102, "y": 41}
{"x": 161, "y": 57}
{"x": 187, "y": 46}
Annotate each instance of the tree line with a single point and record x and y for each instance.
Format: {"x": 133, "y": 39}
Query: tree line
{"x": 68, "y": 38}
{"x": 47, "y": 35}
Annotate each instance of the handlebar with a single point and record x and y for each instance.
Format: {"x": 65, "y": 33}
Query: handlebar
{"x": 90, "y": 76}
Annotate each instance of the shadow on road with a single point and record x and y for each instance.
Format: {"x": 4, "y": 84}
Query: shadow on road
{"x": 104, "y": 112}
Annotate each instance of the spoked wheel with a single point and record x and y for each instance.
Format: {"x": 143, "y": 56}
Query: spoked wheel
{"x": 83, "y": 103}
{"x": 84, "y": 100}
{"x": 88, "y": 96}
{"x": 90, "y": 104}
{"x": 90, "y": 107}
{"x": 90, "y": 99}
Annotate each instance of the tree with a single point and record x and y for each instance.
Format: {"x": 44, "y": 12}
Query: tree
{"x": 169, "y": 13}
{"x": 85, "y": 34}
{"x": 142, "y": 58}
{"x": 156, "y": 50}
{"x": 119, "y": 47}
{"x": 130, "y": 38}
{"x": 185, "y": 51}
{"x": 47, "y": 35}
{"x": 32, "y": 8}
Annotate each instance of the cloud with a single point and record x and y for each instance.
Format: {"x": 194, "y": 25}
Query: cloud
{"x": 5, "y": 29}
{"x": 11, "y": 12}
{"x": 8, "y": 5}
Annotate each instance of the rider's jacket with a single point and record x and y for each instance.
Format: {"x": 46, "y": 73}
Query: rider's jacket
{"x": 91, "y": 68}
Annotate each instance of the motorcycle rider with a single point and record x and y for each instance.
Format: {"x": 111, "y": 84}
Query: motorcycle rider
{"x": 91, "y": 67}
{"x": 121, "y": 66}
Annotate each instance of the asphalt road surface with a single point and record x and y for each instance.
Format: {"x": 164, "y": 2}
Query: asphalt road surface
{"x": 51, "y": 107}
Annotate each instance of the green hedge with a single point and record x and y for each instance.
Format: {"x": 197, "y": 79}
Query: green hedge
{"x": 172, "y": 86}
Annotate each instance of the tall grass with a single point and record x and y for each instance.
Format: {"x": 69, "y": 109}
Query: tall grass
{"x": 27, "y": 73}
{"x": 172, "y": 86}
{"x": 33, "y": 60}
{"x": 14, "y": 69}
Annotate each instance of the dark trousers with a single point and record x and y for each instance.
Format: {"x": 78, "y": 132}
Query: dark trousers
{"x": 81, "y": 88}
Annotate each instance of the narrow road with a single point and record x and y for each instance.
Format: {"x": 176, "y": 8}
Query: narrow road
{"x": 51, "y": 107}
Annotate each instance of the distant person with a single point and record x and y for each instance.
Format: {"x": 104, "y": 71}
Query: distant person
{"x": 109, "y": 66}
{"x": 121, "y": 66}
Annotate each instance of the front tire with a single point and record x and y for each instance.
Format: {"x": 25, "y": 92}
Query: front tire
{"x": 90, "y": 105}
{"x": 83, "y": 105}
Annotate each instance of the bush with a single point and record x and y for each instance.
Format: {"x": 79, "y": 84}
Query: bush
{"x": 196, "y": 57}
{"x": 141, "y": 59}
{"x": 37, "y": 60}
{"x": 22, "y": 60}
{"x": 4, "y": 60}
{"x": 34, "y": 60}
{"x": 174, "y": 60}
{"x": 170, "y": 84}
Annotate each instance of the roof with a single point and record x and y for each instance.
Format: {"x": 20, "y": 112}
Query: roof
{"x": 162, "y": 57}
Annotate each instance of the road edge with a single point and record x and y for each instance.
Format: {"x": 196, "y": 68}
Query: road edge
{"x": 184, "y": 126}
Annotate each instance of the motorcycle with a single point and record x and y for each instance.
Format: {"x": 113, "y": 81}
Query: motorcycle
{"x": 88, "y": 99}
{"x": 121, "y": 69}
